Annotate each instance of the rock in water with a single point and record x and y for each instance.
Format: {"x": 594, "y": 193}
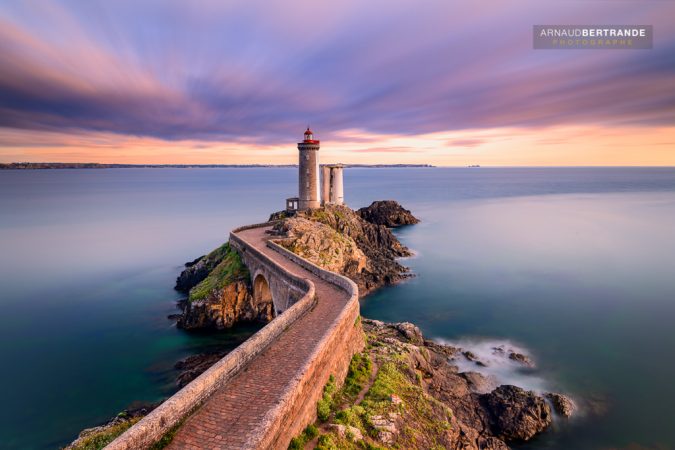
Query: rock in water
{"x": 224, "y": 307}
{"x": 562, "y": 404}
{"x": 388, "y": 213}
{"x": 516, "y": 414}
{"x": 224, "y": 297}
{"x": 522, "y": 359}
{"x": 334, "y": 237}
{"x": 193, "y": 366}
{"x": 195, "y": 271}
{"x": 473, "y": 415}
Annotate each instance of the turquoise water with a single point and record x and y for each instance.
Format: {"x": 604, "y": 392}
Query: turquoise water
{"x": 573, "y": 265}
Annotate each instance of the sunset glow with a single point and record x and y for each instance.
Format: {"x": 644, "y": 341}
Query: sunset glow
{"x": 223, "y": 83}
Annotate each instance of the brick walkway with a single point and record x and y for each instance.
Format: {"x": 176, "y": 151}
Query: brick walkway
{"x": 234, "y": 413}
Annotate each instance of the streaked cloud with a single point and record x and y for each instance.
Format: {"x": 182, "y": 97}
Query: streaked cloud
{"x": 465, "y": 142}
{"x": 226, "y": 75}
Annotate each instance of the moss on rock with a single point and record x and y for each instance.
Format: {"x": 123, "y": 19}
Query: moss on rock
{"x": 230, "y": 269}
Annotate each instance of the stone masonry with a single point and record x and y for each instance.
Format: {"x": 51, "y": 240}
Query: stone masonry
{"x": 272, "y": 397}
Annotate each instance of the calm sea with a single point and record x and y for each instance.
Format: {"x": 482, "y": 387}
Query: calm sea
{"x": 575, "y": 266}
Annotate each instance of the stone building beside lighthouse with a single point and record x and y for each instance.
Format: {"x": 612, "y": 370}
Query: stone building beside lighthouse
{"x": 332, "y": 190}
{"x": 315, "y": 188}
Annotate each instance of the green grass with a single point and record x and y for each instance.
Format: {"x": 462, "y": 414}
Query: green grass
{"x": 98, "y": 440}
{"x": 360, "y": 368}
{"x": 422, "y": 420}
{"x": 319, "y": 215}
{"x": 298, "y": 443}
{"x": 325, "y": 404}
{"x": 230, "y": 269}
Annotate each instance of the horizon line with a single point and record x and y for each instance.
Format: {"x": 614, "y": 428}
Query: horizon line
{"x": 354, "y": 165}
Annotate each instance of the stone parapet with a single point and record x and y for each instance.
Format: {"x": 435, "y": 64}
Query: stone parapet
{"x": 162, "y": 419}
{"x": 294, "y": 406}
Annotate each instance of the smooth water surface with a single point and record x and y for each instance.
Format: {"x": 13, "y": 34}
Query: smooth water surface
{"x": 574, "y": 265}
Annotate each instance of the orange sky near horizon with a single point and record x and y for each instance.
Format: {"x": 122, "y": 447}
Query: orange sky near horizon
{"x": 445, "y": 83}
{"x": 551, "y": 146}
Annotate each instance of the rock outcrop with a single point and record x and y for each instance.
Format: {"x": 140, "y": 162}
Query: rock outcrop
{"x": 193, "y": 366}
{"x": 333, "y": 237}
{"x": 195, "y": 271}
{"x": 516, "y": 414}
{"x": 224, "y": 297}
{"x": 388, "y": 213}
{"x": 417, "y": 398}
{"x": 336, "y": 237}
{"x": 562, "y": 404}
{"x": 100, "y": 436}
{"x": 225, "y": 306}
{"x": 322, "y": 245}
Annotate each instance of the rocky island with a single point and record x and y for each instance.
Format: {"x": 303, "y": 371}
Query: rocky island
{"x": 359, "y": 245}
{"x": 402, "y": 390}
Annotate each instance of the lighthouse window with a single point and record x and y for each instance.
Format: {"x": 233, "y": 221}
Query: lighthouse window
{"x": 307, "y": 156}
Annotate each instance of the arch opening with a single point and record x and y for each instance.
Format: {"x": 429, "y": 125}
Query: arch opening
{"x": 261, "y": 290}
{"x": 262, "y": 296}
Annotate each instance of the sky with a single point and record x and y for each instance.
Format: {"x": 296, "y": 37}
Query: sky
{"x": 382, "y": 81}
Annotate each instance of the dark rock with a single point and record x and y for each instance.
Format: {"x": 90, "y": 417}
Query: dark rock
{"x": 174, "y": 316}
{"x": 484, "y": 416}
{"x": 135, "y": 411}
{"x": 225, "y": 307}
{"x": 410, "y": 332}
{"x": 388, "y": 213}
{"x": 139, "y": 409}
{"x": 446, "y": 350}
{"x": 470, "y": 356}
{"x": 522, "y": 359}
{"x": 280, "y": 215}
{"x": 516, "y": 414}
{"x": 195, "y": 271}
{"x": 479, "y": 383}
{"x": 193, "y": 366}
{"x": 498, "y": 350}
{"x": 562, "y": 404}
{"x": 403, "y": 331}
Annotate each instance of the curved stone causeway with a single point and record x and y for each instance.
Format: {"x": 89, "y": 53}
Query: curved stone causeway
{"x": 265, "y": 391}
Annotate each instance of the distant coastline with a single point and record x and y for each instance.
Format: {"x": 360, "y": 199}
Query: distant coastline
{"x": 56, "y": 165}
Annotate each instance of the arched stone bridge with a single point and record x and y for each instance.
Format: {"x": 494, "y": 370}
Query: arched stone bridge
{"x": 268, "y": 279}
{"x": 265, "y": 392}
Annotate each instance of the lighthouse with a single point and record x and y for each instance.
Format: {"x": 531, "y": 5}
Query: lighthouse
{"x": 308, "y": 176}
{"x": 315, "y": 190}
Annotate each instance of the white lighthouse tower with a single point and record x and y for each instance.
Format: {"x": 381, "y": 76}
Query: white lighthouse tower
{"x": 308, "y": 172}
{"x": 311, "y": 192}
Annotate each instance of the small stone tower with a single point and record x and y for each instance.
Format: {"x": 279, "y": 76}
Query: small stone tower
{"x": 332, "y": 191}
{"x": 309, "y": 172}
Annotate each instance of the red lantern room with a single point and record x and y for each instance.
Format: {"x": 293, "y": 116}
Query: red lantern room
{"x": 309, "y": 136}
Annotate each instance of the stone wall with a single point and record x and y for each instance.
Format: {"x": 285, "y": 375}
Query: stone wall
{"x": 331, "y": 357}
{"x": 153, "y": 426}
{"x": 286, "y": 290}
{"x": 297, "y": 407}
